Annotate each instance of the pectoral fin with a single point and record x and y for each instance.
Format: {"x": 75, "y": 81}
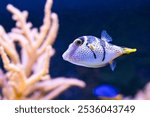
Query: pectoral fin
{"x": 112, "y": 65}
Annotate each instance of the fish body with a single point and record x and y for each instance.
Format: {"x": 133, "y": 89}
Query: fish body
{"x": 90, "y": 51}
{"x": 107, "y": 92}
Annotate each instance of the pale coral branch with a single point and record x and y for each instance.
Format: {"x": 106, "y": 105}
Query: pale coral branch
{"x": 51, "y": 36}
{"x": 9, "y": 42}
{"x": 55, "y": 92}
{"x": 5, "y": 37}
{"x": 35, "y": 33}
{"x": 11, "y": 53}
{"x": 139, "y": 96}
{"x": 8, "y": 45}
{"x": 46, "y": 77}
{"x": 14, "y": 68}
{"x": 27, "y": 75}
{"x": 21, "y": 21}
{"x": 36, "y": 77}
{"x": 9, "y": 66}
{"x": 62, "y": 88}
{"x": 8, "y": 92}
{"x": 46, "y": 23}
{"x": 16, "y": 30}
{"x": 25, "y": 47}
{"x": 146, "y": 92}
{"x": 2, "y": 78}
{"x": 33, "y": 87}
{"x": 14, "y": 85}
{"x": 143, "y": 94}
{"x": 29, "y": 65}
{"x": 35, "y": 96}
{"x": 29, "y": 90}
{"x": 21, "y": 81}
{"x": 49, "y": 85}
{"x": 1, "y": 81}
{"x": 22, "y": 41}
{"x": 39, "y": 63}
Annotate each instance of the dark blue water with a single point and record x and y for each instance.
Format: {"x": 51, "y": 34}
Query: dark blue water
{"x": 127, "y": 22}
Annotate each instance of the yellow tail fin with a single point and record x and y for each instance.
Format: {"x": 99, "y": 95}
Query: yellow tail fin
{"x": 128, "y": 50}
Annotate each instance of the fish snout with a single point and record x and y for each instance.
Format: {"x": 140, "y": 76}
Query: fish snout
{"x": 65, "y": 56}
{"x": 68, "y": 54}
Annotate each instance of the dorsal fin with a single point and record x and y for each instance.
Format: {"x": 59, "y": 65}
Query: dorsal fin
{"x": 105, "y": 36}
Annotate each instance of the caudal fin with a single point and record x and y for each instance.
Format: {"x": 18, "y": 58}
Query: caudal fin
{"x": 128, "y": 50}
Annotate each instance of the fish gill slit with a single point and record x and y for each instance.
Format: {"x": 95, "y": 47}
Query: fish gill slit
{"x": 92, "y": 51}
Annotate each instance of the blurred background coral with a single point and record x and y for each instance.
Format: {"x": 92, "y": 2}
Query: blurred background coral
{"x": 126, "y": 21}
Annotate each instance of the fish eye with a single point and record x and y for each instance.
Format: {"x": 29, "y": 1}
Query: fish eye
{"x": 78, "y": 42}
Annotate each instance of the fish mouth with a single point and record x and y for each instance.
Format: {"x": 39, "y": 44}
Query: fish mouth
{"x": 65, "y": 56}
{"x": 68, "y": 54}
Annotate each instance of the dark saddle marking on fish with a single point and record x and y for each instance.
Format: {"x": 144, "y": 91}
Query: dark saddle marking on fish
{"x": 82, "y": 38}
{"x": 90, "y": 39}
{"x": 92, "y": 51}
{"x": 102, "y": 42}
{"x": 104, "y": 53}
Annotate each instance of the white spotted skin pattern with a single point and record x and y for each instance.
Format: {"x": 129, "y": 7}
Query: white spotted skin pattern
{"x": 83, "y": 56}
{"x": 78, "y": 55}
{"x": 112, "y": 52}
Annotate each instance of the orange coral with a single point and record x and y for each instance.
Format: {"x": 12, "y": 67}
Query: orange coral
{"x": 27, "y": 74}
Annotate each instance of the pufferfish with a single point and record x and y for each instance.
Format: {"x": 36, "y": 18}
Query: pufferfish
{"x": 92, "y": 52}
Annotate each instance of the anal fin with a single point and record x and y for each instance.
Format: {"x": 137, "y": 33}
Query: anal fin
{"x": 113, "y": 65}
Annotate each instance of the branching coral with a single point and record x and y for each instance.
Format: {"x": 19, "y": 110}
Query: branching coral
{"x": 141, "y": 94}
{"x": 145, "y": 94}
{"x": 27, "y": 74}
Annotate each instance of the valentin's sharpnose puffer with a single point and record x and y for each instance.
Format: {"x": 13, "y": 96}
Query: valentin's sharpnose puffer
{"x": 90, "y": 51}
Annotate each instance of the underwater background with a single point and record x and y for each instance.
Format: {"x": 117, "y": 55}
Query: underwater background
{"x": 127, "y": 22}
